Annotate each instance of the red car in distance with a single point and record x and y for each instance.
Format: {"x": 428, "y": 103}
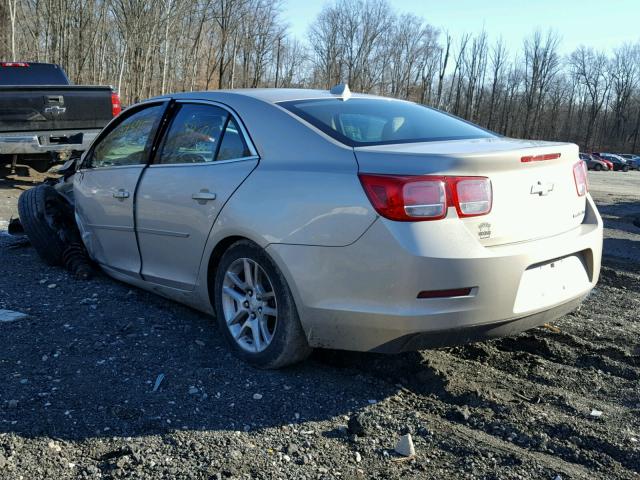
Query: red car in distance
{"x": 608, "y": 162}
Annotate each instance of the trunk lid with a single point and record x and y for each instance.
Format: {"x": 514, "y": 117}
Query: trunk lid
{"x": 531, "y": 200}
{"x": 55, "y": 107}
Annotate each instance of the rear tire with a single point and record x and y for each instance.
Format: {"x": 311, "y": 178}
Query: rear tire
{"x": 625, "y": 168}
{"x": 597, "y": 167}
{"x": 285, "y": 340}
{"x": 32, "y": 209}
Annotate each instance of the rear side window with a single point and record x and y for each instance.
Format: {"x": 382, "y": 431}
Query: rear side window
{"x": 31, "y": 74}
{"x": 367, "y": 121}
{"x": 194, "y": 134}
{"x": 202, "y": 134}
{"x": 232, "y": 144}
{"x": 129, "y": 142}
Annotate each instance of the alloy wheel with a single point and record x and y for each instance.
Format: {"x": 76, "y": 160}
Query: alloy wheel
{"x": 249, "y": 305}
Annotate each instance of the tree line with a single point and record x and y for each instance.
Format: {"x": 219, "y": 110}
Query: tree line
{"x": 147, "y": 48}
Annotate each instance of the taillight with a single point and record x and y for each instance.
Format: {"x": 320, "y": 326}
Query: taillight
{"x": 580, "y": 178}
{"x": 14, "y": 64}
{"x": 425, "y": 199}
{"x": 116, "y": 107}
{"x": 405, "y": 198}
{"x": 472, "y": 196}
{"x": 417, "y": 198}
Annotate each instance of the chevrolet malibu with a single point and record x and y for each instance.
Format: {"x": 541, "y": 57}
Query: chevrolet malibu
{"x": 304, "y": 219}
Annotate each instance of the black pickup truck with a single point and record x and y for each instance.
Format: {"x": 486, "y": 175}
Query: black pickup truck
{"x": 44, "y": 119}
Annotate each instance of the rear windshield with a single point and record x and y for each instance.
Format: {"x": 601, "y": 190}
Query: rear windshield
{"x": 33, "y": 74}
{"x": 360, "y": 122}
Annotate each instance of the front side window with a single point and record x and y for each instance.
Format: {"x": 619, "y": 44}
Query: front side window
{"x": 369, "y": 121}
{"x": 129, "y": 142}
{"x": 202, "y": 134}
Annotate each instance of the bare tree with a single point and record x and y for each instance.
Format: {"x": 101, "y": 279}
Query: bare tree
{"x": 5, "y": 27}
{"x": 590, "y": 71}
{"x": 541, "y": 66}
{"x": 625, "y": 73}
{"x": 498, "y": 63}
{"x": 13, "y": 12}
{"x": 443, "y": 62}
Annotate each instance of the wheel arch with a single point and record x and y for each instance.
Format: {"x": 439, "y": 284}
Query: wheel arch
{"x": 223, "y": 245}
{"x": 214, "y": 260}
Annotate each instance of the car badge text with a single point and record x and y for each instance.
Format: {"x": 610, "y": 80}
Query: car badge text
{"x": 484, "y": 230}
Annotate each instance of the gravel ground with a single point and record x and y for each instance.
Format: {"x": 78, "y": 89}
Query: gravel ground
{"x": 105, "y": 381}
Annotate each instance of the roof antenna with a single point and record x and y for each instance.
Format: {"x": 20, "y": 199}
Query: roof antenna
{"x": 342, "y": 89}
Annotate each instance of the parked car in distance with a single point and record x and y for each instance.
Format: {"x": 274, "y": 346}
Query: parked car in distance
{"x": 632, "y": 160}
{"x": 44, "y": 119}
{"x": 619, "y": 163}
{"x": 607, "y": 162}
{"x": 594, "y": 163}
{"x": 308, "y": 218}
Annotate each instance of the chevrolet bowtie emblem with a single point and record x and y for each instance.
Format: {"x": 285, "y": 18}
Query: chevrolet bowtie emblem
{"x": 541, "y": 188}
{"x": 55, "y": 110}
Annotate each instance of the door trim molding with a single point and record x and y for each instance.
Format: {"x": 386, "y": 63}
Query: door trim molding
{"x": 166, "y": 233}
{"x": 117, "y": 228}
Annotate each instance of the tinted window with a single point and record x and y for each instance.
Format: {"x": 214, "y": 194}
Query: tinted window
{"x": 202, "y": 134}
{"x": 365, "y": 121}
{"x": 129, "y": 142}
{"x": 194, "y": 134}
{"x": 33, "y": 74}
{"x": 232, "y": 144}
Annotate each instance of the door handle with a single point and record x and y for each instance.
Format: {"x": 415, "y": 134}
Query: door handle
{"x": 121, "y": 194}
{"x": 203, "y": 196}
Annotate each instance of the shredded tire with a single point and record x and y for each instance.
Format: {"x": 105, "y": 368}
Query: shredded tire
{"x": 32, "y": 209}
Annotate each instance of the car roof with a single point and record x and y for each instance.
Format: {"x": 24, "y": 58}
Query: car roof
{"x": 273, "y": 95}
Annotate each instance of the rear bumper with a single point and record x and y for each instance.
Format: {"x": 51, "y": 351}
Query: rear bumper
{"x": 364, "y": 296}
{"x": 475, "y": 333}
{"x": 25, "y": 143}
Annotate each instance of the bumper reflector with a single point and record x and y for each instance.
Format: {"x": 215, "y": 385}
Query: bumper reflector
{"x": 454, "y": 292}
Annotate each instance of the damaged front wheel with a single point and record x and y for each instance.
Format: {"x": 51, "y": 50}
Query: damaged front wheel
{"x": 40, "y": 209}
{"x": 48, "y": 220}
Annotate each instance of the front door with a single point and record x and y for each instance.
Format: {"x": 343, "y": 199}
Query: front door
{"x": 105, "y": 185}
{"x": 202, "y": 159}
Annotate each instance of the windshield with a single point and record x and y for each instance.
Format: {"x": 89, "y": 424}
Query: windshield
{"x": 369, "y": 121}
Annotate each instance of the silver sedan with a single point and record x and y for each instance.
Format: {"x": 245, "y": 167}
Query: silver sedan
{"x": 306, "y": 219}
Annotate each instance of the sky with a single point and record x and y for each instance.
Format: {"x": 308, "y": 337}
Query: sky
{"x": 602, "y": 24}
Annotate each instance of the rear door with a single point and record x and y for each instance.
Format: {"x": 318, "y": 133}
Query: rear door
{"x": 203, "y": 157}
{"x": 105, "y": 186}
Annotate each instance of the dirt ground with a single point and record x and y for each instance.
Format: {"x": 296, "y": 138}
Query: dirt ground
{"x": 78, "y": 376}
